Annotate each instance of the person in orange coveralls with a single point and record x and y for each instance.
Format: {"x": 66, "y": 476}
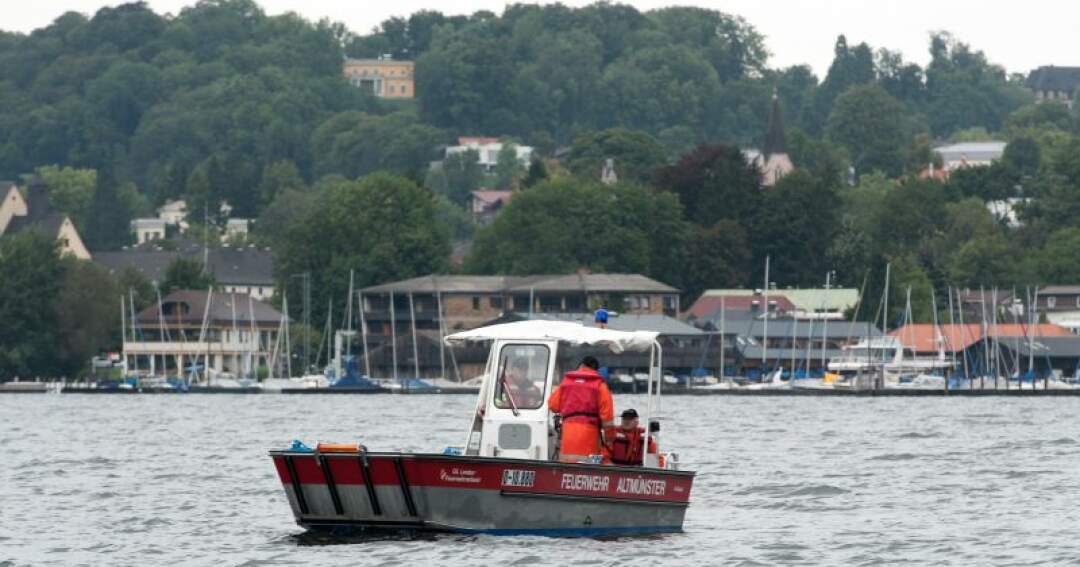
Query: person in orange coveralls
{"x": 584, "y": 402}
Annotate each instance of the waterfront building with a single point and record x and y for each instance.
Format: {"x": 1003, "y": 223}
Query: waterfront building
{"x": 786, "y": 342}
{"x": 801, "y": 303}
{"x": 247, "y": 269}
{"x": 29, "y": 209}
{"x": 441, "y": 304}
{"x": 1060, "y": 304}
{"x": 235, "y": 334}
{"x": 384, "y": 77}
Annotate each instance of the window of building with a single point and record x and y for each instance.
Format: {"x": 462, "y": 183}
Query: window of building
{"x": 1051, "y": 302}
{"x": 476, "y": 302}
{"x": 522, "y": 377}
{"x": 496, "y": 302}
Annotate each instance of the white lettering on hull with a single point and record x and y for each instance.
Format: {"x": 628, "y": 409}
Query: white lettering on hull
{"x": 642, "y": 487}
{"x": 585, "y": 482}
{"x": 459, "y": 475}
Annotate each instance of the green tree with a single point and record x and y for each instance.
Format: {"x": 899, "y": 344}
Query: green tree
{"x": 110, "y": 214}
{"x": 1059, "y": 260}
{"x": 508, "y": 168}
{"x": 186, "y": 273}
{"x": 354, "y": 144}
{"x": 71, "y": 190}
{"x": 381, "y": 226}
{"x": 622, "y": 228}
{"x": 29, "y": 289}
{"x": 714, "y": 183}
{"x": 86, "y": 315}
{"x": 457, "y": 176}
{"x": 869, "y": 124}
{"x": 636, "y": 154}
{"x": 718, "y": 256}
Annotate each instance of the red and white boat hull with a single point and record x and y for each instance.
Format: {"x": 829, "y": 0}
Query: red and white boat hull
{"x": 480, "y": 494}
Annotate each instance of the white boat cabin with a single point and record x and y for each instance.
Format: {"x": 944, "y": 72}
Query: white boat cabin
{"x": 512, "y": 419}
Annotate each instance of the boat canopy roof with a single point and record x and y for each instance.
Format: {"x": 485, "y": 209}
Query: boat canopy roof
{"x": 564, "y": 331}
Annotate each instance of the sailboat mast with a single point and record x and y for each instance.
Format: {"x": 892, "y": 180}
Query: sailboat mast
{"x": 349, "y": 314}
{"x": 723, "y": 336}
{"x": 393, "y": 335}
{"x": 123, "y": 335}
{"x": 254, "y": 341}
{"x": 1031, "y": 333}
{"x": 765, "y": 310}
{"x": 963, "y": 330}
{"x": 288, "y": 344}
{"x": 363, "y": 332}
{"x": 442, "y": 330}
{"x": 415, "y": 348}
{"x": 824, "y": 320}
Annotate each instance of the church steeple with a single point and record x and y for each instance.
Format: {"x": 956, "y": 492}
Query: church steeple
{"x": 775, "y": 143}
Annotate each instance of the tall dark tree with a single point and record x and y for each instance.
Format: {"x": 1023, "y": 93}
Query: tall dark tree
{"x": 29, "y": 289}
{"x": 714, "y": 183}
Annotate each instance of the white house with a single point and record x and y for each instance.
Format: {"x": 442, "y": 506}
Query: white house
{"x": 488, "y": 150}
{"x": 148, "y": 229}
{"x": 970, "y": 154}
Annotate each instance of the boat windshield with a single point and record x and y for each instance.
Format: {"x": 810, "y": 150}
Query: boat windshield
{"x": 522, "y": 376}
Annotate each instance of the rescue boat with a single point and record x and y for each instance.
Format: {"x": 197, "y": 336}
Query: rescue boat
{"x": 506, "y": 479}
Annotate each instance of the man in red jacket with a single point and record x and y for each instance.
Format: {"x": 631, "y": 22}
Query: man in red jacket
{"x": 584, "y": 402}
{"x": 629, "y": 440}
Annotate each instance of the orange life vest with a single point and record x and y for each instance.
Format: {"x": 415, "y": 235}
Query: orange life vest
{"x": 627, "y": 446}
{"x": 579, "y": 397}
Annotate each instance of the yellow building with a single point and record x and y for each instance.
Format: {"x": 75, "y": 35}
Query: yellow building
{"x": 383, "y": 77}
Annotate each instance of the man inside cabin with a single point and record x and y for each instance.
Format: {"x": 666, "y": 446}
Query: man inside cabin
{"x": 524, "y": 392}
{"x": 629, "y": 440}
{"x": 584, "y": 403}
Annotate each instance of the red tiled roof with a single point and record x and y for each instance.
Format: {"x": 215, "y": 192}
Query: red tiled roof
{"x": 921, "y": 336}
{"x": 706, "y": 305}
{"x": 491, "y": 196}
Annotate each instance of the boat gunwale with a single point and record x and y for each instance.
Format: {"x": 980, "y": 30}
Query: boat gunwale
{"x": 496, "y": 460}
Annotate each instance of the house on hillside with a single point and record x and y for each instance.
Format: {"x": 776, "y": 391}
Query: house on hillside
{"x": 488, "y": 151}
{"x": 233, "y": 335}
{"x": 31, "y": 211}
{"x": 383, "y": 77}
{"x": 486, "y": 203}
{"x": 969, "y": 154}
{"x": 1054, "y": 84}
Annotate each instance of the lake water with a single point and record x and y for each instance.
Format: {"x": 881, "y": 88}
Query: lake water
{"x": 149, "y": 480}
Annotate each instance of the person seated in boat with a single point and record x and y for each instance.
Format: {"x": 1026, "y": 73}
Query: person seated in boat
{"x": 629, "y": 440}
{"x": 583, "y": 401}
{"x": 517, "y": 386}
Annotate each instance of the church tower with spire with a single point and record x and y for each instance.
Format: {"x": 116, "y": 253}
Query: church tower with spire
{"x": 774, "y": 161}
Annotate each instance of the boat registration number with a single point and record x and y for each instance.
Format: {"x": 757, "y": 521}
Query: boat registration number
{"x": 521, "y": 478}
